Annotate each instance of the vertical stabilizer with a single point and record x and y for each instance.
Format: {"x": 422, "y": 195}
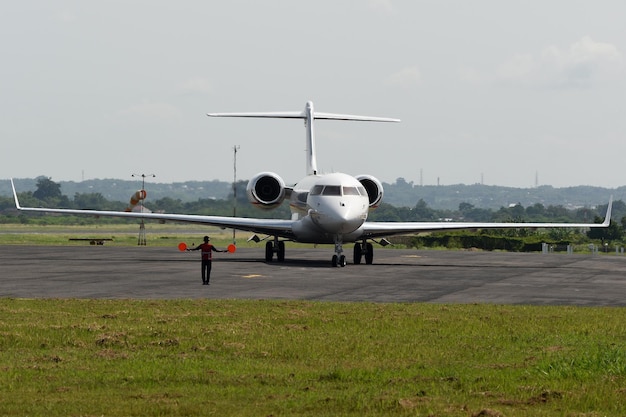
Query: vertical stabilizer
{"x": 311, "y": 161}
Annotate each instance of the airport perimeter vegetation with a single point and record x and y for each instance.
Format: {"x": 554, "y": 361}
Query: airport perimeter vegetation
{"x": 126, "y": 233}
{"x": 282, "y": 358}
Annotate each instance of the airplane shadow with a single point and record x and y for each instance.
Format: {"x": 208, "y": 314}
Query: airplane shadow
{"x": 314, "y": 263}
{"x": 323, "y": 263}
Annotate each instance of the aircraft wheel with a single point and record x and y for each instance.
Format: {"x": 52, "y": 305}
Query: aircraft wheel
{"x": 369, "y": 253}
{"x": 358, "y": 253}
{"x": 281, "y": 251}
{"x": 269, "y": 251}
{"x": 342, "y": 261}
{"x": 334, "y": 261}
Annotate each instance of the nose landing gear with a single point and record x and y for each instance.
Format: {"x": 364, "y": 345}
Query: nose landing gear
{"x": 339, "y": 259}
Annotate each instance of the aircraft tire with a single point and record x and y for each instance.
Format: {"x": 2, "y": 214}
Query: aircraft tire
{"x": 280, "y": 255}
{"x": 342, "y": 261}
{"x": 334, "y": 261}
{"x": 269, "y": 251}
{"x": 369, "y": 253}
{"x": 358, "y": 253}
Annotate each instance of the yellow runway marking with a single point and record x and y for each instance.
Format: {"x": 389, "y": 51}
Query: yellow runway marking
{"x": 252, "y": 276}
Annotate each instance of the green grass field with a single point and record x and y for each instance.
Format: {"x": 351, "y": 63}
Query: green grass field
{"x": 125, "y": 235}
{"x": 121, "y": 234}
{"x": 276, "y": 358}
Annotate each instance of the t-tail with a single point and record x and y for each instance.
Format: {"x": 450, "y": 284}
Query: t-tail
{"x": 309, "y": 115}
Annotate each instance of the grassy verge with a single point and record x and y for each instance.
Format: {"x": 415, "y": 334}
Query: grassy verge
{"x": 125, "y": 235}
{"x": 261, "y": 358}
{"x": 121, "y": 234}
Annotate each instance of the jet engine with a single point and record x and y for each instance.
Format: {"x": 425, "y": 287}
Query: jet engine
{"x": 266, "y": 190}
{"x": 374, "y": 189}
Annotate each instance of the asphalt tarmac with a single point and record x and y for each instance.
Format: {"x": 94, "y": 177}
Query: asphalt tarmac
{"x": 396, "y": 276}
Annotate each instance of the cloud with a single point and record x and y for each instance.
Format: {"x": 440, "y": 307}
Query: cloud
{"x": 469, "y": 75}
{"x": 384, "y": 6}
{"x": 151, "y": 111}
{"x": 65, "y": 16}
{"x": 584, "y": 63}
{"x": 406, "y": 77}
{"x": 197, "y": 85}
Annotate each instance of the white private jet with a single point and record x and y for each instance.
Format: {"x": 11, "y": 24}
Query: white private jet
{"x": 326, "y": 208}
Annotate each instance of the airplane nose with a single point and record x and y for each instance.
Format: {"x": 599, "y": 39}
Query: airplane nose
{"x": 339, "y": 218}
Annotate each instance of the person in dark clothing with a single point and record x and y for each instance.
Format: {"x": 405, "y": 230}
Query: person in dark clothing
{"x": 207, "y": 251}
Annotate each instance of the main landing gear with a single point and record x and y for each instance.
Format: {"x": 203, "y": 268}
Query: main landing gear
{"x": 275, "y": 246}
{"x": 363, "y": 249}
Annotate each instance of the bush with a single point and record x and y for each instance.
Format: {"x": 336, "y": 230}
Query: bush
{"x": 464, "y": 240}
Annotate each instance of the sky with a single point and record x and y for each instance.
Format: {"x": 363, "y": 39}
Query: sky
{"x": 515, "y": 93}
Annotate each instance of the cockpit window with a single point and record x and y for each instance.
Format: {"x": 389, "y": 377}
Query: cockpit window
{"x": 317, "y": 190}
{"x": 332, "y": 190}
{"x": 350, "y": 191}
{"x": 362, "y": 190}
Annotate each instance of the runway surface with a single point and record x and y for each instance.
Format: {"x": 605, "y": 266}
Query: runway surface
{"x": 396, "y": 276}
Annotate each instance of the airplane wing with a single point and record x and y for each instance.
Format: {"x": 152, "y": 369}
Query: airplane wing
{"x": 384, "y": 229}
{"x": 282, "y": 228}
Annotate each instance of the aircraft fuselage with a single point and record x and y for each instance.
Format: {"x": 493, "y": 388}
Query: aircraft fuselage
{"x": 328, "y": 206}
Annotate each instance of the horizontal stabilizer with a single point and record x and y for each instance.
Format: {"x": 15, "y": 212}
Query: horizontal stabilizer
{"x": 302, "y": 115}
{"x": 334, "y": 116}
{"x": 306, "y": 114}
{"x": 274, "y": 115}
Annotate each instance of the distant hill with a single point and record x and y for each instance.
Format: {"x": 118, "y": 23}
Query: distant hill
{"x": 449, "y": 197}
{"x": 399, "y": 194}
{"x": 121, "y": 190}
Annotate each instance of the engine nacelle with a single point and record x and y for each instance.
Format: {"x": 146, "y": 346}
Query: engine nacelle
{"x": 266, "y": 190}
{"x": 374, "y": 189}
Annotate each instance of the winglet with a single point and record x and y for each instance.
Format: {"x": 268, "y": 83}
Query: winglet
{"x": 607, "y": 218}
{"x": 17, "y": 203}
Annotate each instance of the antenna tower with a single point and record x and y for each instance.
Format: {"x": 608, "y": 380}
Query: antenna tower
{"x": 235, "y": 149}
{"x": 141, "y": 240}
